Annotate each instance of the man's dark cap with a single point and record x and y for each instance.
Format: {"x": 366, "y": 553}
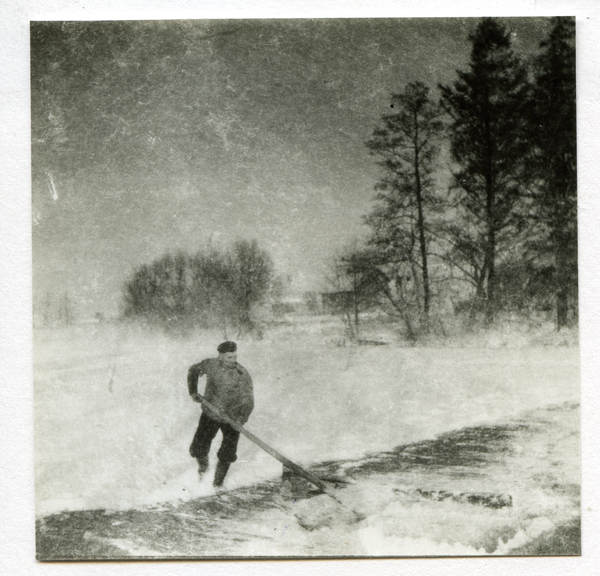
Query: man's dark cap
{"x": 225, "y": 347}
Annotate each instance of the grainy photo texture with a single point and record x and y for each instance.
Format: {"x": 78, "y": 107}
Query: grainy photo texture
{"x": 305, "y": 288}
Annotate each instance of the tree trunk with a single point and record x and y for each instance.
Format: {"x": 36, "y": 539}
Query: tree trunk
{"x": 421, "y": 225}
{"x": 491, "y": 278}
{"x": 355, "y": 308}
{"x": 562, "y": 308}
{"x": 561, "y": 243}
{"x": 490, "y": 248}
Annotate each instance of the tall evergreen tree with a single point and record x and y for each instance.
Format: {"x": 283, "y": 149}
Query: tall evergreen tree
{"x": 406, "y": 144}
{"x": 555, "y": 158}
{"x": 488, "y": 105}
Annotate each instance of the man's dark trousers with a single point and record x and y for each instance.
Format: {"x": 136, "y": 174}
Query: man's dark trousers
{"x": 207, "y": 430}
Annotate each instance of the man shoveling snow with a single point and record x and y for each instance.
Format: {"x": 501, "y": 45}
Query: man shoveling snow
{"x": 229, "y": 389}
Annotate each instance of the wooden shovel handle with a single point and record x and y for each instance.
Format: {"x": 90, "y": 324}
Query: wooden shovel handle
{"x": 285, "y": 461}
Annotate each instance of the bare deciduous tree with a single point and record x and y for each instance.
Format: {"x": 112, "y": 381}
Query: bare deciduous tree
{"x": 210, "y": 289}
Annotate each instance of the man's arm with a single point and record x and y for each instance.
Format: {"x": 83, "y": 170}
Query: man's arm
{"x": 246, "y": 401}
{"x": 194, "y": 373}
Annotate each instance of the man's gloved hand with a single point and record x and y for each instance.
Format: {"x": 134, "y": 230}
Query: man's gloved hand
{"x": 196, "y": 397}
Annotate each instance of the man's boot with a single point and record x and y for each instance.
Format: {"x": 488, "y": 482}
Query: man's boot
{"x": 220, "y": 473}
{"x": 202, "y": 465}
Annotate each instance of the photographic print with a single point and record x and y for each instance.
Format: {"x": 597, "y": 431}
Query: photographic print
{"x": 305, "y": 288}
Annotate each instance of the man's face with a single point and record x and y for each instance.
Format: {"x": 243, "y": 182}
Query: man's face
{"x": 228, "y": 359}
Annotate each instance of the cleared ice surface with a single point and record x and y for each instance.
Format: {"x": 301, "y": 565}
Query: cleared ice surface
{"x": 113, "y": 419}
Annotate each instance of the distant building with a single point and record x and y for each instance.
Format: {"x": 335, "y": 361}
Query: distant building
{"x": 332, "y": 302}
{"x": 288, "y": 305}
{"x": 312, "y": 301}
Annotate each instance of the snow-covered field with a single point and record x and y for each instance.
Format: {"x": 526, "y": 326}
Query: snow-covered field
{"x": 113, "y": 419}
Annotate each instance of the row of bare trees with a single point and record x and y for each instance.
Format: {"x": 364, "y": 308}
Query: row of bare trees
{"x": 54, "y": 310}
{"x": 215, "y": 288}
{"x": 503, "y": 234}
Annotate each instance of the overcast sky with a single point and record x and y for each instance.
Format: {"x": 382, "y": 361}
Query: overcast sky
{"x": 151, "y": 137}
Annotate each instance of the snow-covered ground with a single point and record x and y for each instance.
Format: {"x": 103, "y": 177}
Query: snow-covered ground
{"x": 113, "y": 419}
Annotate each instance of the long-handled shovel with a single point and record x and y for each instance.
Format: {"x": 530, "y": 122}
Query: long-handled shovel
{"x": 325, "y": 488}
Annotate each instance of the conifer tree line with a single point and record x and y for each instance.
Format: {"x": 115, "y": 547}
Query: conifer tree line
{"x": 502, "y": 235}
{"x": 214, "y": 288}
